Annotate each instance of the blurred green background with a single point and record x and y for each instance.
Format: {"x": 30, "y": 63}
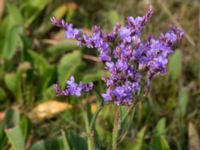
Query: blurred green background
{"x": 34, "y": 56}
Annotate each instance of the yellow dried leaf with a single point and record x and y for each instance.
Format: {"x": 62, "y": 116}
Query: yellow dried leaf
{"x": 48, "y": 110}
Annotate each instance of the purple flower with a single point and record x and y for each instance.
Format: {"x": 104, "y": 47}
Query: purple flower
{"x": 72, "y": 88}
{"x": 104, "y": 57}
{"x": 125, "y": 34}
{"x": 122, "y": 65}
{"x": 130, "y": 61}
{"x": 107, "y": 96}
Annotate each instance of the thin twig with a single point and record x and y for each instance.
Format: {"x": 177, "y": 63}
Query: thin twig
{"x": 90, "y": 57}
{"x": 115, "y": 130}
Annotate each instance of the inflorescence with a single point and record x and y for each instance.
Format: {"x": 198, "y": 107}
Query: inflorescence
{"x": 130, "y": 61}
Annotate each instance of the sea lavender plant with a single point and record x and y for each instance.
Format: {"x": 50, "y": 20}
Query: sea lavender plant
{"x": 132, "y": 63}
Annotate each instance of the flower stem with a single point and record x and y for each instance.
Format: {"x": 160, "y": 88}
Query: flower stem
{"x": 115, "y": 130}
{"x": 95, "y": 117}
{"x": 100, "y": 107}
{"x": 89, "y": 138}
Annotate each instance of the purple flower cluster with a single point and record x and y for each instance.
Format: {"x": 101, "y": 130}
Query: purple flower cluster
{"x": 72, "y": 88}
{"x": 129, "y": 60}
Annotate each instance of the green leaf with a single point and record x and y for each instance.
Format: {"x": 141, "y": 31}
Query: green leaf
{"x": 175, "y": 65}
{"x": 139, "y": 140}
{"x": 91, "y": 77}
{"x": 16, "y": 138}
{"x": 182, "y": 102}
{"x": 67, "y": 66}
{"x": 33, "y": 9}
{"x": 12, "y": 42}
{"x": 65, "y": 142}
{"x": 9, "y": 32}
{"x": 49, "y": 93}
{"x": 159, "y": 141}
{"x": 113, "y": 17}
{"x": 15, "y": 14}
{"x": 2, "y": 95}
{"x": 49, "y": 144}
{"x": 13, "y": 83}
{"x": 77, "y": 142}
{"x": 160, "y": 127}
{"x": 46, "y": 78}
{"x": 61, "y": 47}
{"x": 25, "y": 125}
{"x": 39, "y": 61}
{"x": 45, "y": 70}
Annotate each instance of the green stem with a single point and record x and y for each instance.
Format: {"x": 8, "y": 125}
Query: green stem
{"x": 125, "y": 132}
{"x": 90, "y": 126}
{"x": 95, "y": 117}
{"x": 100, "y": 107}
{"x": 115, "y": 130}
{"x": 129, "y": 110}
{"x": 89, "y": 138}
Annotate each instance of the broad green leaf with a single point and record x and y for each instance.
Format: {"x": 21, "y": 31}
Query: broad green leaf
{"x": 39, "y": 61}
{"x": 175, "y": 65}
{"x": 61, "y": 47}
{"x": 45, "y": 70}
{"x": 65, "y": 142}
{"x": 12, "y": 118}
{"x": 9, "y": 32}
{"x": 159, "y": 143}
{"x": 10, "y": 27}
{"x": 158, "y": 140}
{"x": 33, "y": 9}
{"x": 15, "y": 14}
{"x": 49, "y": 144}
{"x": 49, "y": 93}
{"x": 67, "y": 66}
{"x": 77, "y": 142}
{"x": 14, "y": 128}
{"x": 13, "y": 83}
{"x": 160, "y": 127}
{"x": 16, "y": 138}
{"x": 47, "y": 77}
{"x": 182, "y": 102}
{"x": 96, "y": 76}
{"x": 139, "y": 140}
{"x": 2, "y": 95}
{"x": 113, "y": 17}
{"x": 25, "y": 125}
{"x": 12, "y": 42}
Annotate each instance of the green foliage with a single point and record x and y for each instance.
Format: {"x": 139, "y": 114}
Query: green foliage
{"x": 67, "y": 66}
{"x": 13, "y": 83}
{"x": 138, "y": 145}
{"x": 175, "y": 65}
{"x": 16, "y": 138}
{"x": 159, "y": 141}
